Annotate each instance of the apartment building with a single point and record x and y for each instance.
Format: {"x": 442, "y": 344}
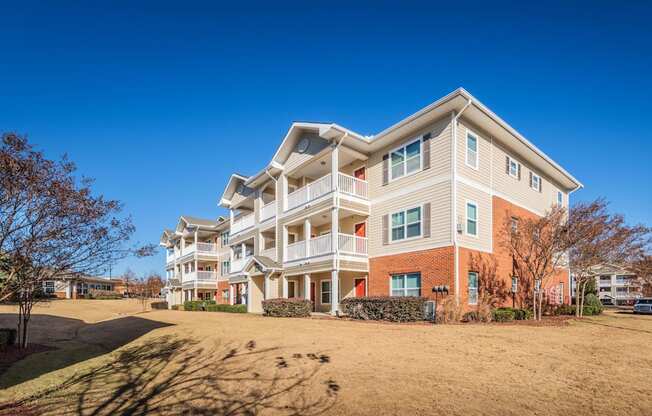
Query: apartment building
{"x": 336, "y": 214}
{"x": 198, "y": 259}
{"x": 615, "y": 285}
{"x": 76, "y": 286}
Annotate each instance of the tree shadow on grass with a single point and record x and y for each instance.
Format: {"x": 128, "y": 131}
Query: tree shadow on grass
{"x": 74, "y": 341}
{"x": 172, "y": 376}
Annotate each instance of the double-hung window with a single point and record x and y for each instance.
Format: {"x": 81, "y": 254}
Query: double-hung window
{"x": 406, "y": 224}
{"x": 225, "y": 238}
{"x": 406, "y": 160}
{"x": 472, "y": 150}
{"x": 408, "y": 284}
{"x": 535, "y": 182}
{"x": 513, "y": 167}
{"x": 472, "y": 219}
{"x": 325, "y": 292}
{"x": 226, "y": 267}
{"x": 560, "y": 199}
{"x": 473, "y": 288}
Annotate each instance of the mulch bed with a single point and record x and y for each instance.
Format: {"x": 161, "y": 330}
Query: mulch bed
{"x": 555, "y": 321}
{"x": 12, "y": 354}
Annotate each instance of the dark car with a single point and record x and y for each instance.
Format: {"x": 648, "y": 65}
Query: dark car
{"x": 643, "y": 305}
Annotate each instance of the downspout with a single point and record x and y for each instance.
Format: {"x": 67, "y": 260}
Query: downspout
{"x": 456, "y": 249}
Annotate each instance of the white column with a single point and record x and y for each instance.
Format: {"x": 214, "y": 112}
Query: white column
{"x": 243, "y": 248}
{"x": 231, "y": 294}
{"x": 307, "y": 230}
{"x": 249, "y": 293}
{"x": 335, "y": 290}
{"x": 232, "y": 216}
{"x": 306, "y": 287}
{"x": 335, "y": 164}
{"x": 335, "y": 214}
{"x": 284, "y": 282}
{"x": 284, "y": 193}
{"x": 285, "y": 244}
{"x": 266, "y": 286}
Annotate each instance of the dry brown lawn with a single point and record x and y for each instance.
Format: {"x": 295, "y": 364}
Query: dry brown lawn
{"x": 112, "y": 359}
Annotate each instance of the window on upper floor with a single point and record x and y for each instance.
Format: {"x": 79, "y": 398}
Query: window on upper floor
{"x": 406, "y": 224}
{"x": 560, "y": 199}
{"x": 472, "y": 150}
{"x": 472, "y": 219}
{"x": 225, "y": 239}
{"x": 513, "y": 168}
{"x": 405, "y": 160}
{"x": 226, "y": 267}
{"x": 535, "y": 182}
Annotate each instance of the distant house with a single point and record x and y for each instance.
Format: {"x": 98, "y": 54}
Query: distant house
{"x": 615, "y": 285}
{"x": 73, "y": 287}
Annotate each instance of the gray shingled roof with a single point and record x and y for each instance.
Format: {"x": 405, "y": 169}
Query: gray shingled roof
{"x": 200, "y": 221}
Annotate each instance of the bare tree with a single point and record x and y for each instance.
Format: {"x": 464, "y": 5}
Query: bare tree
{"x": 52, "y": 225}
{"x": 491, "y": 289}
{"x": 595, "y": 237}
{"x": 642, "y": 267}
{"x": 537, "y": 246}
{"x": 129, "y": 279}
{"x": 154, "y": 284}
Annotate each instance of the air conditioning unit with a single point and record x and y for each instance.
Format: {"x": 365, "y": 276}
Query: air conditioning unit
{"x": 429, "y": 310}
{"x": 460, "y": 228}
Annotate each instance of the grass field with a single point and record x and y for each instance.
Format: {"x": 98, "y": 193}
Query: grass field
{"x": 114, "y": 359}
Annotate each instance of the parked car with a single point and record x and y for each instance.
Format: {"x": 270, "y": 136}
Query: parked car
{"x": 643, "y": 305}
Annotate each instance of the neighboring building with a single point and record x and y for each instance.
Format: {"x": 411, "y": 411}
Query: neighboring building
{"x": 74, "y": 287}
{"x": 197, "y": 260}
{"x": 337, "y": 214}
{"x": 615, "y": 285}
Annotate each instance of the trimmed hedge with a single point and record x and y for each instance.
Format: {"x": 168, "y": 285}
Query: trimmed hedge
{"x": 226, "y": 308}
{"x": 385, "y": 308}
{"x": 197, "y": 305}
{"x": 7, "y": 337}
{"x": 159, "y": 305}
{"x": 504, "y": 315}
{"x": 287, "y": 308}
{"x": 102, "y": 295}
{"x": 175, "y": 307}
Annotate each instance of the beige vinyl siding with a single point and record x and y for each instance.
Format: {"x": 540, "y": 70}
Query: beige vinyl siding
{"x": 483, "y": 173}
{"x": 440, "y": 160}
{"x": 296, "y": 159}
{"x": 483, "y": 202}
{"x": 519, "y": 190}
{"x": 438, "y": 195}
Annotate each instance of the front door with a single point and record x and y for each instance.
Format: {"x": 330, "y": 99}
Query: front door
{"x": 292, "y": 289}
{"x": 360, "y": 288}
{"x": 361, "y": 229}
{"x": 360, "y": 174}
{"x": 312, "y": 295}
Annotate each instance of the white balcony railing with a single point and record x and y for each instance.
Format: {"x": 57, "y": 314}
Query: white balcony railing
{"x": 296, "y": 251}
{"x": 310, "y": 192}
{"x": 352, "y": 244}
{"x": 169, "y": 257}
{"x": 268, "y": 211}
{"x": 238, "y": 264}
{"x": 242, "y": 223}
{"x": 202, "y": 248}
{"x": 269, "y": 253}
{"x": 323, "y": 245}
{"x": 353, "y": 186}
{"x": 200, "y": 276}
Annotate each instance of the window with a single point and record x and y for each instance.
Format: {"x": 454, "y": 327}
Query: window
{"x": 406, "y": 284}
{"x": 514, "y": 225}
{"x": 225, "y": 238}
{"x": 406, "y": 160}
{"x": 471, "y": 219}
{"x": 48, "y": 287}
{"x": 473, "y": 288}
{"x": 560, "y": 199}
{"x": 535, "y": 182}
{"x": 406, "y": 224}
{"x": 226, "y": 267}
{"x": 225, "y": 294}
{"x": 561, "y": 293}
{"x": 513, "y": 167}
{"x": 325, "y": 292}
{"x": 472, "y": 150}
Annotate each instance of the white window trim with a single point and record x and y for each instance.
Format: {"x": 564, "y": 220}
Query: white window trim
{"x": 477, "y": 150}
{"x": 511, "y": 159}
{"x": 538, "y": 188}
{"x": 405, "y": 224}
{"x": 321, "y": 291}
{"x": 405, "y": 174}
{"x": 477, "y": 218}
{"x": 391, "y": 276}
{"x": 477, "y": 289}
{"x": 560, "y": 199}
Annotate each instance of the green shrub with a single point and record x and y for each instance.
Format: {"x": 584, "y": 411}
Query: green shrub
{"x": 385, "y": 308}
{"x": 567, "y": 310}
{"x": 593, "y": 304}
{"x": 7, "y": 337}
{"x": 472, "y": 316}
{"x": 504, "y": 315}
{"x": 288, "y": 308}
{"x": 175, "y": 307}
{"x": 102, "y": 295}
{"x": 214, "y": 307}
{"x": 193, "y": 305}
{"x": 523, "y": 314}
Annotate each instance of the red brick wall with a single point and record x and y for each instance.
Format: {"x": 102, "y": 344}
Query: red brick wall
{"x": 436, "y": 267}
{"x": 221, "y": 286}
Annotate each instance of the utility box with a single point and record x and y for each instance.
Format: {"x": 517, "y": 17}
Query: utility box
{"x": 430, "y": 310}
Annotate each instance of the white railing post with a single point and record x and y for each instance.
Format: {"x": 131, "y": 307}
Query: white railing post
{"x": 307, "y": 232}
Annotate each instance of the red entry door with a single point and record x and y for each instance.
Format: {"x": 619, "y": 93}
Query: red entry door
{"x": 360, "y": 288}
{"x": 360, "y": 174}
{"x": 312, "y": 295}
{"x": 361, "y": 229}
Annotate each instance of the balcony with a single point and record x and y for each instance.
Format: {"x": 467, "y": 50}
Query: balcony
{"x": 269, "y": 253}
{"x": 201, "y": 248}
{"x": 238, "y": 264}
{"x": 323, "y": 245}
{"x": 242, "y": 223}
{"x": 268, "y": 211}
{"x": 346, "y": 184}
{"x": 200, "y": 276}
{"x": 169, "y": 256}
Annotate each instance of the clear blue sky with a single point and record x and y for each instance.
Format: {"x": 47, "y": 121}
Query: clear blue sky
{"x": 160, "y": 102}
